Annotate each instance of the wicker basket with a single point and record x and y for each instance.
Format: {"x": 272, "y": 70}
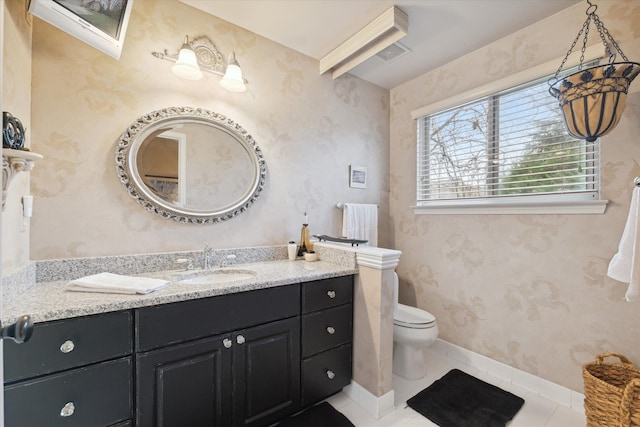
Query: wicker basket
{"x": 612, "y": 392}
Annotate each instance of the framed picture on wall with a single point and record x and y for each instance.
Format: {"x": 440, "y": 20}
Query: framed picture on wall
{"x": 357, "y": 176}
{"x": 99, "y": 23}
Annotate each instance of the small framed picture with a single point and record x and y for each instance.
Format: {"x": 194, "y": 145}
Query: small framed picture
{"x": 357, "y": 177}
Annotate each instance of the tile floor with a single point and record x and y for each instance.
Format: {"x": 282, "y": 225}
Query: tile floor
{"x": 536, "y": 412}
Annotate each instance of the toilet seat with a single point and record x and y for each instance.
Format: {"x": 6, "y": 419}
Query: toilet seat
{"x": 413, "y": 317}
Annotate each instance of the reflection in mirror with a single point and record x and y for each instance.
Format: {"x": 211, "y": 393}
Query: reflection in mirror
{"x": 190, "y": 165}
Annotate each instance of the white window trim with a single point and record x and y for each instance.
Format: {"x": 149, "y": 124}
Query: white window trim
{"x": 525, "y": 205}
{"x": 591, "y": 53}
{"x": 494, "y": 207}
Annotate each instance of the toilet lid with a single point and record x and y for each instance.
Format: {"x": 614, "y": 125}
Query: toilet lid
{"x": 405, "y": 315}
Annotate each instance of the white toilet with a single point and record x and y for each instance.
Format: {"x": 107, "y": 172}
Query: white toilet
{"x": 413, "y": 331}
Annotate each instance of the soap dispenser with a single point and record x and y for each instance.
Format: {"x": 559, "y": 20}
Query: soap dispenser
{"x": 305, "y": 244}
{"x": 292, "y": 249}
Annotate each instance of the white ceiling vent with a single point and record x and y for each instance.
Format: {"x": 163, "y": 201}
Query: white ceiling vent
{"x": 393, "y": 52}
{"x": 382, "y": 32}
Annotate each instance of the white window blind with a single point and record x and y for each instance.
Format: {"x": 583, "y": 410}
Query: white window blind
{"x": 509, "y": 145}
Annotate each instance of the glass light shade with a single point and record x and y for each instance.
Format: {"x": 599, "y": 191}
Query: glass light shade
{"x": 187, "y": 64}
{"x": 232, "y": 79}
{"x": 593, "y": 100}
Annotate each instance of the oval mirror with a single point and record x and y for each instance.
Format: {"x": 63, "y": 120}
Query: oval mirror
{"x": 190, "y": 165}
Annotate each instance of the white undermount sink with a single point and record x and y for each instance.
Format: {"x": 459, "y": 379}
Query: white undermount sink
{"x": 217, "y": 276}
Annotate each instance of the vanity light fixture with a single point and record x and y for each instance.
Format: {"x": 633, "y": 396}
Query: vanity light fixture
{"x": 200, "y": 54}
{"x": 232, "y": 79}
{"x": 186, "y": 65}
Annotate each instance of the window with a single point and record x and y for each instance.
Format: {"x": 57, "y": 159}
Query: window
{"x": 505, "y": 148}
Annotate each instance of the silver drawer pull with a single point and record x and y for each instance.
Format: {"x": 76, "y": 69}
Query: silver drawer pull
{"x": 331, "y": 330}
{"x": 67, "y": 347}
{"x": 67, "y": 410}
{"x": 331, "y": 375}
{"x": 331, "y": 294}
{"x": 240, "y": 339}
{"x": 227, "y": 343}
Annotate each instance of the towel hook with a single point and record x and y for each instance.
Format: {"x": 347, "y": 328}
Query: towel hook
{"x": 636, "y": 181}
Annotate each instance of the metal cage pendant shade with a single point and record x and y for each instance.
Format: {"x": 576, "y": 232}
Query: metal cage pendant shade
{"x": 593, "y": 100}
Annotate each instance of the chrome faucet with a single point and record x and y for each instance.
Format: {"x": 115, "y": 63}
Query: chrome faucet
{"x": 206, "y": 253}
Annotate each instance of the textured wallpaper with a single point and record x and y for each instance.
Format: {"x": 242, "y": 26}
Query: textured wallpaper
{"x": 527, "y": 290}
{"x": 309, "y": 127}
{"x": 16, "y": 99}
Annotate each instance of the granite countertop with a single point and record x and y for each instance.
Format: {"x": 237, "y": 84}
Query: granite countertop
{"x": 47, "y": 301}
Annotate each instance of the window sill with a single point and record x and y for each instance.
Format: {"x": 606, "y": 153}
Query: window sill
{"x": 513, "y": 208}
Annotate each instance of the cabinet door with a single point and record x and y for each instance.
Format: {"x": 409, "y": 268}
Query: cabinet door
{"x": 266, "y": 363}
{"x": 185, "y": 385}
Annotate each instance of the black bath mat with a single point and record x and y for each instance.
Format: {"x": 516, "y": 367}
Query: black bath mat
{"x": 458, "y": 400}
{"x": 321, "y": 415}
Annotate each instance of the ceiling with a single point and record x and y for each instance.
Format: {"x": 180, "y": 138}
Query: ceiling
{"x": 439, "y": 30}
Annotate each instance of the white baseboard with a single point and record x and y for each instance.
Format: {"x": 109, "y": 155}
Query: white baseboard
{"x": 377, "y": 406}
{"x": 547, "y": 389}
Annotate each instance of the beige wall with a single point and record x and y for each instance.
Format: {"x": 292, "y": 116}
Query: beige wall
{"x": 527, "y": 290}
{"x": 309, "y": 127}
{"x": 16, "y": 94}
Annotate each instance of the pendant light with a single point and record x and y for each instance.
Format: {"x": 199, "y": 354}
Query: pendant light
{"x": 592, "y": 100}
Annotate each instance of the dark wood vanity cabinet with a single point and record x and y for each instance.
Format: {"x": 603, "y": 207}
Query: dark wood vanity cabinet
{"x": 248, "y": 378}
{"x": 242, "y": 359}
{"x": 327, "y": 331}
{"x": 73, "y": 372}
{"x": 236, "y": 377}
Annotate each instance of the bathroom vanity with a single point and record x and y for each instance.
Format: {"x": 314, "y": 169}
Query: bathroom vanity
{"x": 246, "y": 358}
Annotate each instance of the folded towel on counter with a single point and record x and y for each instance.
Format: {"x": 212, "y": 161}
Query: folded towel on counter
{"x": 116, "y": 284}
{"x": 625, "y": 264}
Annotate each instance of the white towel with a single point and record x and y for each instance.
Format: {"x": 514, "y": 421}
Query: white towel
{"x": 360, "y": 221}
{"x": 625, "y": 265}
{"x": 116, "y": 284}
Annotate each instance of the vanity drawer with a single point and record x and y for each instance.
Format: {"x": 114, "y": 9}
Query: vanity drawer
{"x": 326, "y": 293}
{"x": 69, "y": 343}
{"x": 98, "y": 395}
{"x": 173, "y": 323}
{"x": 326, "y": 329}
{"x": 325, "y": 374}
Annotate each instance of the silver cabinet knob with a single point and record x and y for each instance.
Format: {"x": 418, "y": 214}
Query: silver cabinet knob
{"x": 227, "y": 343}
{"x": 331, "y": 330}
{"x": 240, "y": 339}
{"x": 68, "y": 409}
{"x": 67, "y": 346}
{"x": 331, "y": 375}
{"x": 331, "y": 294}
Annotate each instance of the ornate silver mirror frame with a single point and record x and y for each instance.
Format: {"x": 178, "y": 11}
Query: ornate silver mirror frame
{"x": 153, "y": 124}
